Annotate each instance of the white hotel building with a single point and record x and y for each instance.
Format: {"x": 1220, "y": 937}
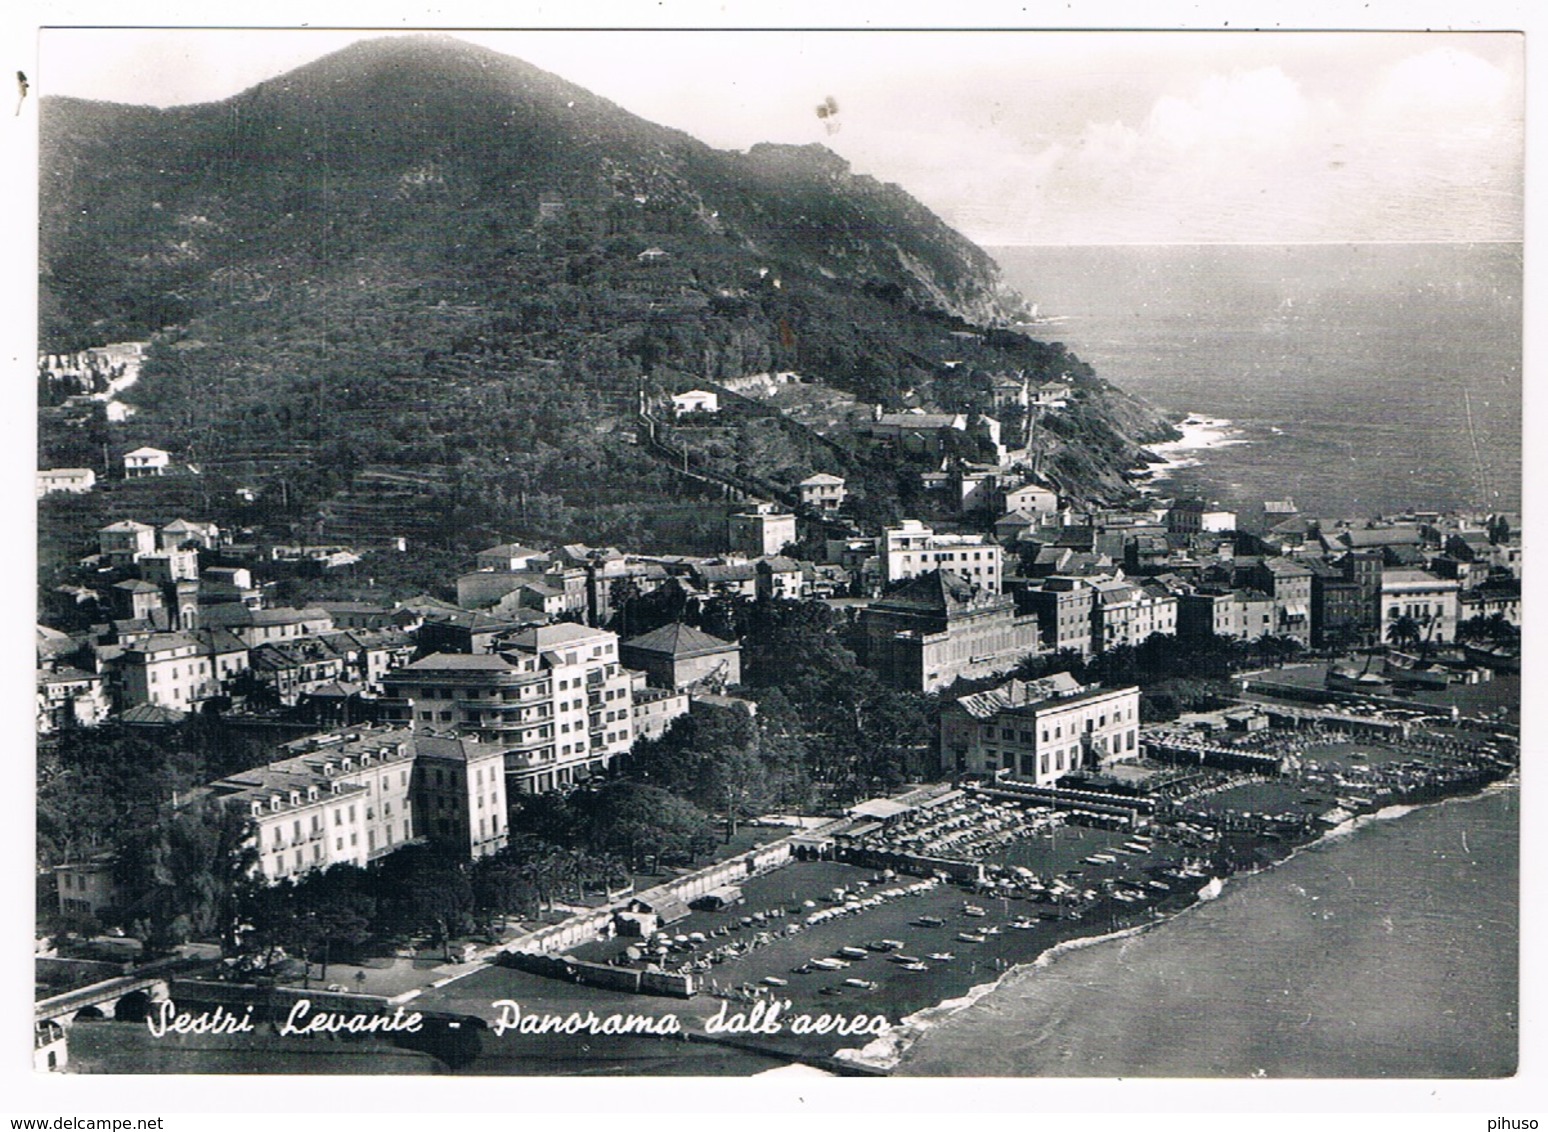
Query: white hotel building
{"x": 555, "y": 700}
{"x": 1039, "y": 730}
{"x": 913, "y": 549}
{"x": 351, "y": 798}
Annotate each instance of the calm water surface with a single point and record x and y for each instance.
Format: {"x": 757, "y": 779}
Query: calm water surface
{"x": 1388, "y": 952}
{"x": 1365, "y": 378}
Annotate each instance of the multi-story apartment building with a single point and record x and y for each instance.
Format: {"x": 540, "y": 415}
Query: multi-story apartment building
{"x": 932, "y": 629}
{"x": 780, "y": 578}
{"x": 656, "y": 708}
{"x": 123, "y": 543}
{"x": 172, "y": 670}
{"x": 289, "y": 670}
{"x": 555, "y": 700}
{"x": 335, "y": 799}
{"x": 351, "y": 798}
{"x": 1421, "y": 595}
{"x": 763, "y": 529}
{"x": 146, "y": 461}
{"x": 1062, "y": 605}
{"x": 86, "y": 886}
{"x": 1289, "y": 583}
{"x": 1337, "y": 607}
{"x": 259, "y": 626}
{"x": 1125, "y": 613}
{"x": 68, "y": 697}
{"x": 507, "y": 558}
{"x": 1244, "y": 615}
{"x": 182, "y": 534}
{"x": 1194, "y": 516}
{"x": 1500, "y": 595}
{"x": 75, "y": 481}
{"x": 135, "y": 599}
{"x": 167, "y": 566}
{"x": 459, "y": 794}
{"x": 678, "y": 656}
{"x": 373, "y": 654}
{"x": 1039, "y": 730}
{"x": 913, "y": 549}
{"x": 1031, "y": 498}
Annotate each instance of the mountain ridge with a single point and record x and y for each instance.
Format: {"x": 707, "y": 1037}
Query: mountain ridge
{"x": 420, "y": 252}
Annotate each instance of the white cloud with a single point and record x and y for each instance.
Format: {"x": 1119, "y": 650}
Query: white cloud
{"x": 1257, "y": 109}
{"x": 1443, "y": 81}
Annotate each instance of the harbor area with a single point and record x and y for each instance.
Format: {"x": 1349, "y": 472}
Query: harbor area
{"x": 887, "y": 947}
{"x": 813, "y": 944}
{"x": 911, "y": 902}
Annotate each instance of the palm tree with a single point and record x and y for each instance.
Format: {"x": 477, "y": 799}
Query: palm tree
{"x": 1404, "y": 631}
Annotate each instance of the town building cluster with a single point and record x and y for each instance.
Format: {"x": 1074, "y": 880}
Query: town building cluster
{"x": 532, "y": 680}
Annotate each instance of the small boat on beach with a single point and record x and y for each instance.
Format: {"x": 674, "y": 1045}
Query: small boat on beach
{"x": 902, "y": 959}
{"x": 829, "y": 964}
{"x": 942, "y": 956}
{"x": 930, "y": 921}
{"x": 973, "y": 910}
{"x": 860, "y": 984}
{"x": 1024, "y": 923}
{"x": 854, "y": 953}
{"x": 972, "y": 937}
{"x": 914, "y": 967}
{"x": 776, "y": 981}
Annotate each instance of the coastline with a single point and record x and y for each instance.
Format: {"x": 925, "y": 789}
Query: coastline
{"x": 1200, "y": 434}
{"x": 885, "y": 1054}
{"x": 753, "y": 1053}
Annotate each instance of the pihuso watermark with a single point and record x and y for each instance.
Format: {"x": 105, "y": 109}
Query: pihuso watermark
{"x": 1511, "y": 1124}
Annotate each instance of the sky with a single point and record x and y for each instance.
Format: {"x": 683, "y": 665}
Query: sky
{"x": 1014, "y": 138}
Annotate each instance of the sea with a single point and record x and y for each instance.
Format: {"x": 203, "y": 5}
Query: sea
{"x": 1387, "y": 951}
{"x": 1356, "y": 380}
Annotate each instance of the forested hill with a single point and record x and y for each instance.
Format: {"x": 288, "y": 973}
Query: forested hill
{"x": 419, "y": 252}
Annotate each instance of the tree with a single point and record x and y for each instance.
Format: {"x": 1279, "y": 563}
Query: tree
{"x": 622, "y": 593}
{"x": 782, "y": 746}
{"x": 661, "y": 606}
{"x": 424, "y": 890}
{"x": 635, "y": 820}
{"x": 185, "y": 875}
{"x": 734, "y": 780}
{"x": 1494, "y": 629}
{"x": 1035, "y": 666}
{"x": 98, "y": 787}
{"x": 1404, "y": 631}
{"x": 336, "y": 912}
{"x": 1276, "y": 650}
{"x": 501, "y": 885}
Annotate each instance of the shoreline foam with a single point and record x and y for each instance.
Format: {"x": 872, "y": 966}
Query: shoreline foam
{"x": 886, "y": 1052}
{"x": 1200, "y": 434}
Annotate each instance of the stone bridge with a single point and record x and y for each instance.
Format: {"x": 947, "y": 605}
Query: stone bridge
{"x": 126, "y": 998}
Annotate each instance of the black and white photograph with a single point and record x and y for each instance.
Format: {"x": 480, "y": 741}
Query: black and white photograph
{"x": 702, "y": 552}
